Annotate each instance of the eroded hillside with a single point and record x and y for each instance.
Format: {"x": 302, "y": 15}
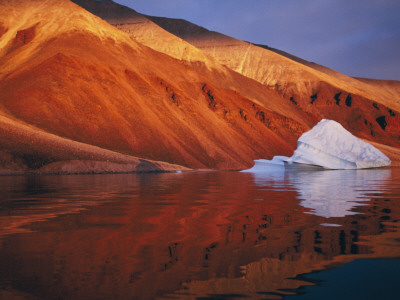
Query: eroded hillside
{"x": 67, "y": 73}
{"x": 368, "y": 108}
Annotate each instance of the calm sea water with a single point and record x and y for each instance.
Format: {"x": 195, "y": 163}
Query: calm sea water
{"x": 202, "y": 235}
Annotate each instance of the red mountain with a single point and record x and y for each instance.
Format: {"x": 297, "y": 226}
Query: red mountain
{"x": 75, "y": 88}
{"x": 66, "y": 74}
{"x": 368, "y": 108}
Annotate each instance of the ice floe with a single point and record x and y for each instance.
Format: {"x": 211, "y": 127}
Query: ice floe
{"x": 329, "y": 145}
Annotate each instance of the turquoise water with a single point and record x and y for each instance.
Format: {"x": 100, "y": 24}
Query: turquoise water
{"x": 202, "y": 235}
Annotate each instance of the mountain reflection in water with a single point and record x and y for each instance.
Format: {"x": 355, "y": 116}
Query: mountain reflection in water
{"x": 203, "y": 234}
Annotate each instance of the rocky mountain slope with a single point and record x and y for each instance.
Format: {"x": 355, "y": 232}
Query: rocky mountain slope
{"x": 69, "y": 76}
{"x": 318, "y": 90}
{"x": 290, "y": 75}
{"x": 368, "y": 108}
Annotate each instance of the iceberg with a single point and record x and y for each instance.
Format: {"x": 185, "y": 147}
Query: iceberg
{"x": 329, "y": 145}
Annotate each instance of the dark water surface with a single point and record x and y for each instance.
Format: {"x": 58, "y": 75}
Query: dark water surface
{"x": 202, "y": 235}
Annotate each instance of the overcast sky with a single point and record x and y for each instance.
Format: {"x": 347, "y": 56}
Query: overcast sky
{"x": 355, "y": 37}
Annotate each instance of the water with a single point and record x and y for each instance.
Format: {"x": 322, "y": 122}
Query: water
{"x": 203, "y": 235}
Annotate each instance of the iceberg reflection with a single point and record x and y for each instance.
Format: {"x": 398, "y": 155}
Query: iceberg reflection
{"x": 335, "y": 193}
{"x": 328, "y": 193}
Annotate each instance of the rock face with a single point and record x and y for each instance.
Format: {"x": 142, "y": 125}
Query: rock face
{"x": 137, "y": 90}
{"x": 331, "y": 146}
{"x": 70, "y": 77}
{"x": 288, "y": 74}
{"x": 360, "y": 105}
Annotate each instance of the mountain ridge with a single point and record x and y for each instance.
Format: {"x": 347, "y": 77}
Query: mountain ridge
{"x": 368, "y": 111}
{"x": 85, "y": 81}
{"x": 204, "y": 39}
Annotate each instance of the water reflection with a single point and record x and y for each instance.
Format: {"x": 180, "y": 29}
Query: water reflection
{"x": 31, "y": 199}
{"x": 328, "y": 193}
{"x": 205, "y": 234}
{"x": 335, "y": 193}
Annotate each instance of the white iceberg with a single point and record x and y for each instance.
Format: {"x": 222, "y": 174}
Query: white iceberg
{"x": 261, "y": 164}
{"x": 330, "y": 146}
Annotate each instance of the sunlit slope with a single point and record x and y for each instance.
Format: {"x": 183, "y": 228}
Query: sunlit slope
{"x": 370, "y": 109}
{"x": 386, "y": 92}
{"x": 315, "y": 92}
{"x": 289, "y": 74}
{"x": 147, "y": 32}
{"x": 26, "y": 149}
{"x": 72, "y": 75}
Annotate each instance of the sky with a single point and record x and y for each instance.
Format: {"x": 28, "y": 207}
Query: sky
{"x": 360, "y": 38}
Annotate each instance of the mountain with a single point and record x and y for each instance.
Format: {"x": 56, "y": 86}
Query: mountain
{"x": 367, "y": 108}
{"x": 290, "y": 75}
{"x": 75, "y": 88}
{"x": 34, "y": 98}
